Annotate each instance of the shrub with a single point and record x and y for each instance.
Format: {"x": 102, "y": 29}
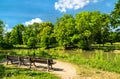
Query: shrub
{"x": 2, "y": 71}
{"x": 5, "y": 45}
{"x": 31, "y": 42}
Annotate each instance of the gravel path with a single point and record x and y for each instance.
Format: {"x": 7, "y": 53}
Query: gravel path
{"x": 65, "y": 70}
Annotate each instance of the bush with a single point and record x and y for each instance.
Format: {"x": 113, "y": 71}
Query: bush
{"x": 43, "y": 54}
{"x": 31, "y": 42}
{"x": 2, "y": 71}
{"x": 5, "y": 46}
{"x": 83, "y": 44}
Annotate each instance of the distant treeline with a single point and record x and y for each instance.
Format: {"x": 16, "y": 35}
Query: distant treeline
{"x": 82, "y": 30}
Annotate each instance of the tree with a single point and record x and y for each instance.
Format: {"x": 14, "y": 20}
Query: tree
{"x": 30, "y": 35}
{"x": 7, "y": 37}
{"x": 45, "y": 35}
{"x": 112, "y": 37}
{"x": 64, "y": 30}
{"x": 6, "y": 44}
{"x": 115, "y": 15}
{"x": 32, "y": 42}
{"x": 86, "y": 26}
{"x": 91, "y": 25}
{"x": 2, "y": 25}
{"x": 16, "y": 34}
{"x": 104, "y": 27}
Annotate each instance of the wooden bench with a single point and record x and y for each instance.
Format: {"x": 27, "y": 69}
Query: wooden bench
{"x": 18, "y": 59}
{"x": 47, "y": 61}
{"x": 31, "y": 60}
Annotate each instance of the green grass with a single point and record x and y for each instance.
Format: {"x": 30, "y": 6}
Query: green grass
{"x": 100, "y": 59}
{"x": 19, "y": 73}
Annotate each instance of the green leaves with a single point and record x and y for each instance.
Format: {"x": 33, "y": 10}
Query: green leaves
{"x": 64, "y": 30}
{"x": 115, "y": 15}
{"x": 2, "y": 25}
{"x": 45, "y": 34}
{"x": 2, "y": 71}
{"x": 81, "y": 30}
{"x": 32, "y": 42}
{"x": 16, "y": 34}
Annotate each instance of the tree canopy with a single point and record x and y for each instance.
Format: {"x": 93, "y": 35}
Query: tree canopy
{"x": 81, "y": 30}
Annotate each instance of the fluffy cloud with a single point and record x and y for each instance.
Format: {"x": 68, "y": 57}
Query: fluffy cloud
{"x": 36, "y": 20}
{"x": 7, "y": 28}
{"x": 62, "y": 5}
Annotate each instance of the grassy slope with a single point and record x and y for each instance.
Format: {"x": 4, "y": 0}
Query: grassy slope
{"x": 12, "y": 72}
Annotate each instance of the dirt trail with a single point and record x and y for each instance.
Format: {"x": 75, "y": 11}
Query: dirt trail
{"x": 65, "y": 70}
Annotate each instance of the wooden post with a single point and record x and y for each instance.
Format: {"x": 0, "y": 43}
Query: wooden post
{"x": 48, "y": 65}
{"x": 30, "y": 63}
{"x": 19, "y": 61}
{"x": 7, "y": 60}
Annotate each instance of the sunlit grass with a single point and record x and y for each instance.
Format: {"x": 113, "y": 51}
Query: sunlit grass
{"x": 101, "y": 59}
{"x": 17, "y": 73}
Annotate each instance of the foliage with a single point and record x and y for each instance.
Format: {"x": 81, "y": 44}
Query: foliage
{"x": 30, "y": 35}
{"x": 32, "y": 42}
{"x": 2, "y": 25}
{"x": 16, "y": 34}
{"x": 64, "y": 30}
{"x": 45, "y": 36}
{"x": 7, "y": 37}
{"x": 2, "y": 71}
{"x": 115, "y": 15}
{"x": 91, "y": 25}
{"x": 5, "y": 45}
{"x": 81, "y": 30}
{"x": 112, "y": 37}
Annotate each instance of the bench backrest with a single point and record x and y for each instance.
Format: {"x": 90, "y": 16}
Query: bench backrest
{"x": 41, "y": 60}
{"x": 10, "y": 57}
{"x": 31, "y": 59}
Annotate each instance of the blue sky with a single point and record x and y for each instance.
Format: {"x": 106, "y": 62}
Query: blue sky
{"x": 14, "y": 12}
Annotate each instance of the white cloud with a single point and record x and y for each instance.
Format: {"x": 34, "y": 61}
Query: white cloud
{"x": 7, "y": 28}
{"x": 35, "y": 20}
{"x": 63, "y": 5}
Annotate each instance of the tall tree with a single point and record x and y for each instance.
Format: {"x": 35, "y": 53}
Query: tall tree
{"x": 64, "y": 30}
{"x": 7, "y": 37}
{"x": 16, "y": 34}
{"x": 103, "y": 23}
{"x": 115, "y": 15}
{"x": 86, "y": 26}
{"x": 30, "y": 35}
{"x": 2, "y": 25}
{"x": 90, "y": 25}
{"x": 45, "y": 36}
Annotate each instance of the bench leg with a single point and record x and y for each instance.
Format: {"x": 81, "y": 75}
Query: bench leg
{"x": 30, "y": 65}
{"x": 7, "y": 62}
{"x": 48, "y": 67}
{"x": 34, "y": 64}
{"x": 11, "y": 61}
{"x": 23, "y": 63}
{"x": 19, "y": 64}
{"x": 51, "y": 66}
